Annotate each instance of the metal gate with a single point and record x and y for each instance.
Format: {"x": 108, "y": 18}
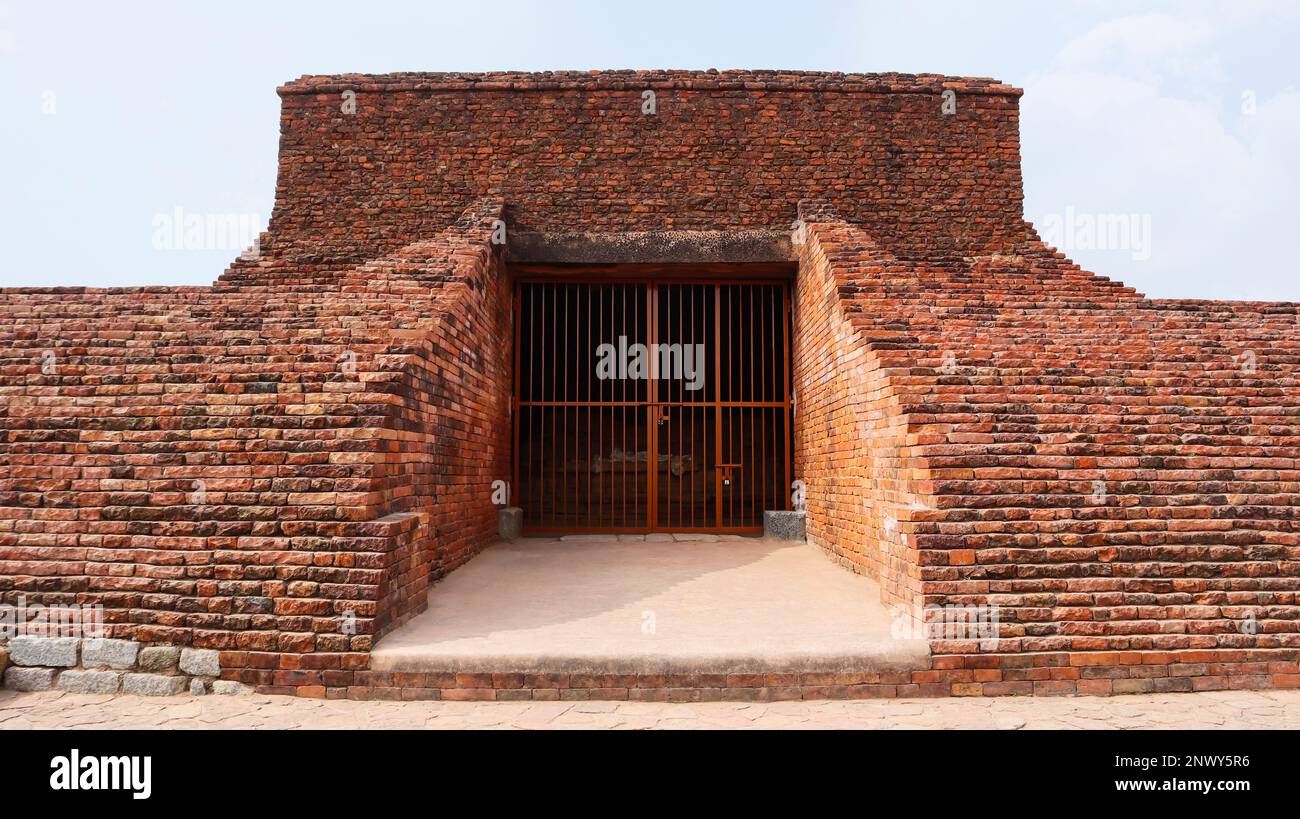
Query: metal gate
{"x": 645, "y": 406}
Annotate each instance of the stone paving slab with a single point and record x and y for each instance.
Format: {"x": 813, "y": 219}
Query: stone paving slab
{"x": 1209, "y": 710}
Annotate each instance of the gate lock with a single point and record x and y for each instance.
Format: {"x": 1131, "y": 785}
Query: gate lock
{"x": 727, "y": 472}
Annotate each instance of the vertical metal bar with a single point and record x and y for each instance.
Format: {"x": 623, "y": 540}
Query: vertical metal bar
{"x": 747, "y": 389}
{"x": 683, "y": 410}
{"x": 663, "y": 394}
{"x": 767, "y": 396}
{"x": 672, "y": 394}
{"x": 553, "y": 391}
{"x": 718, "y": 407}
{"x": 570, "y": 354}
{"x": 578, "y": 369}
{"x": 534, "y": 417}
{"x": 679, "y": 418}
{"x": 785, "y": 386}
{"x": 607, "y": 505}
{"x": 514, "y": 407}
{"x": 738, "y": 490}
{"x": 614, "y": 329}
{"x": 557, "y": 419}
{"x": 695, "y": 461}
{"x": 640, "y": 303}
{"x": 783, "y": 492}
{"x": 650, "y": 410}
{"x": 623, "y": 411}
{"x": 731, "y": 394}
{"x": 544, "y": 328}
{"x": 755, "y": 413}
{"x": 755, "y": 477}
{"x": 588, "y": 353}
{"x": 663, "y": 517}
{"x": 544, "y": 411}
{"x": 758, "y": 498}
{"x": 599, "y": 292}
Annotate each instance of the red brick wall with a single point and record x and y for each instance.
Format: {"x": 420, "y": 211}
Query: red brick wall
{"x": 852, "y": 446}
{"x": 250, "y": 468}
{"x": 573, "y": 152}
{"x": 451, "y": 437}
{"x": 1009, "y": 390}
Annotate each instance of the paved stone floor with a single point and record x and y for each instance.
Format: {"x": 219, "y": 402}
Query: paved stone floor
{"x": 653, "y": 604}
{"x": 1216, "y": 709}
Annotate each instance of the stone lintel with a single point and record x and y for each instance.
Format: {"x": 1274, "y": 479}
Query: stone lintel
{"x": 657, "y": 247}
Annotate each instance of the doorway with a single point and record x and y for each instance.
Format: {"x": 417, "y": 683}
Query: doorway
{"x": 651, "y": 405}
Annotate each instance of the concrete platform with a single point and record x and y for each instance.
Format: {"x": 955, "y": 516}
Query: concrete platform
{"x": 685, "y": 604}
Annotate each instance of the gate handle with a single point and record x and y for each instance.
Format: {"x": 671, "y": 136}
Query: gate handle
{"x": 726, "y": 472}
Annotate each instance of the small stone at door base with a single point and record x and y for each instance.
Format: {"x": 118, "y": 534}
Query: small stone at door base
{"x": 510, "y": 522}
{"x": 784, "y": 525}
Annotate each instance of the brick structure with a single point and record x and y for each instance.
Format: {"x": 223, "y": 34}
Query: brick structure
{"x": 278, "y": 465}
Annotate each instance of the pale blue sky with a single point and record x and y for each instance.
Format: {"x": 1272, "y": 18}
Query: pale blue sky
{"x": 1181, "y": 118}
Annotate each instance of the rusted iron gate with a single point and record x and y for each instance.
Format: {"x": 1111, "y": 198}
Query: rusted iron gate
{"x": 651, "y": 405}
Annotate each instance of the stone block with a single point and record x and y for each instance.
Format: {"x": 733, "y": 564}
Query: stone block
{"x": 159, "y": 658}
{"x": 90, "y": 682}
{"x": 112, "y": 653}
{"x": 230, "y": 688}
{"x": 510, "y": 522}
{"x": 784, "y": 525}
{"x": 201, "y": 662}
{"x": 152, "y": 685}
{"x": 58, "y": 652}
{"x": 29, "y": 679}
